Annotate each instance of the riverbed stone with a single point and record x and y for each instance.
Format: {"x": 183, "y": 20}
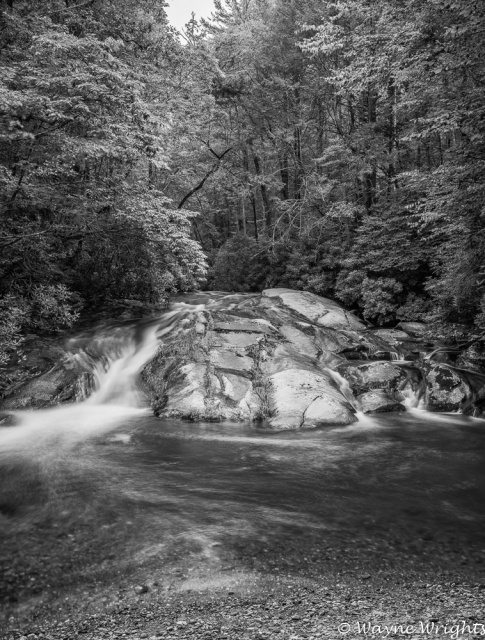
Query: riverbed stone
{"x": 186, "y": 400}
{"x": 236, "y": 341}
{"x": 228, "y": 360}
{"x": 300, "y": 340}
{"x": 375, "y": 375}
{"x": 200, "y": 328}
{"x": 379, "y": 401}
{"x": 446, "y": 390}
{"x": 414, "y": 329}
{"x": 317, "y": 309}
{"x": 235, "y": 387}
{"x": 251, "y": 326}
{"x": 65, "y": 382}
{"x": 241, "y": 391}
{"x": 271, "y": 357}
{"x": 303, "y": 399}
{"x": 391, "y": 336}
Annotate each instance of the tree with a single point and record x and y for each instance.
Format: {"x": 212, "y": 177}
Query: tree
{"x": 84, "y": 93}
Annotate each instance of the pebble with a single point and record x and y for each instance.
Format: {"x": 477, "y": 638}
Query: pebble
{"x": 141, "y": 588}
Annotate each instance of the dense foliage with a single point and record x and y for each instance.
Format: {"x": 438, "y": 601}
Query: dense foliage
{"x": 87, "y": 92}
{"x": 357, "y": 129}
{"x": 336, "y": 146}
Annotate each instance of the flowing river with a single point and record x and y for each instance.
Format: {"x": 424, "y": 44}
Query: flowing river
{"x": 100, "y": 496}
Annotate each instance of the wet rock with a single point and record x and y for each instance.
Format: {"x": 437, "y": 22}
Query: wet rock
{"x": 236, "y": 387}
{"x": 321, "y": 311}
{"x": 186, "y": 399}
{"x": 204, "y": 393}
{"x": 287, "y": 356}
{"x": 303, "y": 399}
{"x": 392, "y": 336}
{"x": 414, "y": 329}
{"x": 236, "y": 341}
{"x": 231, "y": 361}
{"x": 353, "y": 345}
{"x": 446, "y": 391}
{"x": 265, "y": 357}
{"x": 63, "y": 383}
{"x": 141, "y": 588}
{"x": 200, "y": 328}
{"x": 375, "y": 375}
{"x": 379, "y": 401}
{"x": 251, "y": 326}
{"x": 301, "y": 341}
{"x": 36, "y": 356}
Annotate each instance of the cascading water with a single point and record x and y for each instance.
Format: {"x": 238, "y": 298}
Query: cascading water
{"x": 414, "y": 395}
{"x": 108, "y": 394}
{"x": 413, "y": 399}
{"x": 348, "y": 394}
{"x": 116, "y": 397}
{"x": 344, "y": 388}
{"x": 183, "y": 508}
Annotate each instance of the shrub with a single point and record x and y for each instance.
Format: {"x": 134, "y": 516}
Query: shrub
{"x": 53, "y": 308}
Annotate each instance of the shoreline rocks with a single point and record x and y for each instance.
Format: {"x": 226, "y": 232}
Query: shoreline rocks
{"x": 288, "y": 359}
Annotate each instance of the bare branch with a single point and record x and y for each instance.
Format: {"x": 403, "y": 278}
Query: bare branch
{"x": 211, "y": 171}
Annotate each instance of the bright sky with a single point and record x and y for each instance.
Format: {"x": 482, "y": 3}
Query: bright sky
{"x": 179, "y": 11}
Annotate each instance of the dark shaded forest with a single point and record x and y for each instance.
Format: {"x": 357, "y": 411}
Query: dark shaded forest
{"x": 332, "y": 146}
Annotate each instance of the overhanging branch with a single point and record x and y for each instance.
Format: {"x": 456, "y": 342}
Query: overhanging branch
{"x": 211, "y": 171}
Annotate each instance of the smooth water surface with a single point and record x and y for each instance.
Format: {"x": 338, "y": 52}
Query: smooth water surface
{"x": 99, "y": 496}
{"x": 412, "y": 483}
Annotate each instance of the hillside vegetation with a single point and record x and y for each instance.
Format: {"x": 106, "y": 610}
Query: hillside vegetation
{"x": 336, "y": 147}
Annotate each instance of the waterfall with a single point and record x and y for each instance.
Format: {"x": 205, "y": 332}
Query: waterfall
{"x": 413, "y": 398}
{"x": 344, "y": 388}
{"x": 116, "y": 397}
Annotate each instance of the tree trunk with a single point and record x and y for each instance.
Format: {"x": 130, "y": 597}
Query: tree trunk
{"x": 264, "y": 191}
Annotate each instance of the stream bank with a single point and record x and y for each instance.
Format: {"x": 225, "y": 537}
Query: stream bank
{"x": 286, "y": 359}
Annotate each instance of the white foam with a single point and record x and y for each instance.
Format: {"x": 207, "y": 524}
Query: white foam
{"x": 116, "y": 400}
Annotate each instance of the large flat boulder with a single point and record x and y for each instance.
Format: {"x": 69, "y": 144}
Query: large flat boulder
{"x": 318, "y": 310}
{"x": 230, "y": 361}
{"x": 202, "y": 395}
{"x": 302, "y": 399}
{"x": 304, "y": 344}
{"x": 274, "y": 357}
{"x": 235, "y": 341}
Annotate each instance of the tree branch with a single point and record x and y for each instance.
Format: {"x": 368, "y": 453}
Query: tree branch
{"x": 68, "y": 9}
{"x": 211, "y": 171}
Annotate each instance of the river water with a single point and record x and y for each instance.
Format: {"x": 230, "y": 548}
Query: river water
{"x": 99, "y": 496}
